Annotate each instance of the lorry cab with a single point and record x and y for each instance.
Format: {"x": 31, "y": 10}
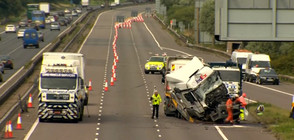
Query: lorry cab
{"x": 31, "y": 38}
{"x": 254, "y": 63}
{"x": 240, "y": 57}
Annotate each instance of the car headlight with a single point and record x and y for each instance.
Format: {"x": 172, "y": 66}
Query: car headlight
{"x": 147, "y": 66}
{"x": 160, "y": 66}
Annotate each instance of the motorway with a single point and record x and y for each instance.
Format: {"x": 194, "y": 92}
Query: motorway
{"x": 12, "y": 46}
{"x": 124, "y": 112}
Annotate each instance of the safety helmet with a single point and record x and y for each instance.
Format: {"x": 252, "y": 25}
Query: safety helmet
{"x": 244, "y": 95}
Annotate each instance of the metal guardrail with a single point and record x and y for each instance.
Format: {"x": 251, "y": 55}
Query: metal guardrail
{"x": 285, "y": 77}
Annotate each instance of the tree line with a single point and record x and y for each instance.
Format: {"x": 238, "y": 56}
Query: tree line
{"x": 281, "y": 53}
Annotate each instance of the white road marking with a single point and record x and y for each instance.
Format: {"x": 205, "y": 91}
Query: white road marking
{"x": 221, "y": 133}
{"x": 177, "y": 51}
{"x": 32, "y": 130}
{"x": 41, "y": 51}
{"x": 158, "y": 45}
{"x": 12, "y": 76}
{"x": 286, "y": 93}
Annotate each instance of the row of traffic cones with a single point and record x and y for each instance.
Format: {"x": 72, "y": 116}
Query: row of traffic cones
{"x": 126, "y": 24}
{"x": 8, "y": 128}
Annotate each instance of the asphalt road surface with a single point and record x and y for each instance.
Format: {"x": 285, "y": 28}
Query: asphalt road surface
{"x": 124, "y": 111}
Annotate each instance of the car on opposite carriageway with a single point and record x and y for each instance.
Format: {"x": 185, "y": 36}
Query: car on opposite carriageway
{"x": 7, "y": 61}
{"x": 268, "y": 75}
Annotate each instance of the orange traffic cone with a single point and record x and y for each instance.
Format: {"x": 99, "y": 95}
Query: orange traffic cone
{"x": 6, "y": 135}
{"x": 111, "y": 81}
{"x": 114, "y": 64}
{"x": 30, "y": 104}
{"x": 116, "y": 59}
{"x": 90, "y": 85}
{"x": 18, "y": 125}
{"x": 106, "y": 86}
{"x": 114, "y": 77}
{"x": 8, "y": 130}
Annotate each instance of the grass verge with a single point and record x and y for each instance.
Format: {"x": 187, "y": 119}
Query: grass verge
{"x": 275, "y": 119}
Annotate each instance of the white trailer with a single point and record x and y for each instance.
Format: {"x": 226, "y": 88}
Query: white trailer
{"x": 85, "y": 3}
{"x": 44, "y": 6}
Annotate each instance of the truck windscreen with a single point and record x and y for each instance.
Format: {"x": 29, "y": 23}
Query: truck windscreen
{"x": 241, "y": 60}
{"x": 230, "y": 76}
{"x": 209, "y": 84}
{"x": 261, "y": 64}
{"x": 58, "y": 83}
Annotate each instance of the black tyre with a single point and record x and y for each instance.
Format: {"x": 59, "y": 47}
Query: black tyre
{"x": 37, "y": 46}
{"x": 25, "y": 47}
{"x": 41, "y": 120}
{"x": 81, "y": 113}
{"x": 146, "y": 72}
{"x": 152, "y": 72}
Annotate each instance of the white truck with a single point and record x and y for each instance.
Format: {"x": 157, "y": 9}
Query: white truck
{"x": 85, "y": 3}
{"x": 240, "y": 56}
{"x": 195, "y": 91}
{"x": 62, "y": 92}
{"x": 45, "y": 6}
{"x": 254, "y": 63}
{"x": 117, "y": 2}
{"x": 231, "y": 75}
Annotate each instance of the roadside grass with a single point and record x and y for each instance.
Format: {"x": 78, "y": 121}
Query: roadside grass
{"x": 275, "y": 119}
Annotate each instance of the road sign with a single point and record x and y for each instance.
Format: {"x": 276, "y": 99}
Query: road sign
{"x": 254, "y": 20}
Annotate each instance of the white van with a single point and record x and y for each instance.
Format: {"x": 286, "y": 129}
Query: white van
{"x": 240, "y": 57}
{"x": 254, "y": 63}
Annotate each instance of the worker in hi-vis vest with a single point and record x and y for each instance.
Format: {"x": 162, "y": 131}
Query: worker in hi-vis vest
{"x": 156, "y": 100}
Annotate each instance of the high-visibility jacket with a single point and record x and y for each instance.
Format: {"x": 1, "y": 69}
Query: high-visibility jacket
{"x": 156, "y": 100}
{"x": 243, "y": 101}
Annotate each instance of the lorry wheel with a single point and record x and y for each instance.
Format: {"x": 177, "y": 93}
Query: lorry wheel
{"x": 41, "y": 120}
{"x": 152, "y": 72}
{"x": 24, "y": 46}
{"x": 146, "y": 72}
{"x": 81, "y": 113}
{"x": 37, "y": 46}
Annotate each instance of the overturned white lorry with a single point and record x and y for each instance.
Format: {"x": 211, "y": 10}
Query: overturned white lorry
{"x": 195, "y": 91}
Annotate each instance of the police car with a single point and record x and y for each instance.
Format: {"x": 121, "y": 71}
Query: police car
{"x": 155, "y": 64}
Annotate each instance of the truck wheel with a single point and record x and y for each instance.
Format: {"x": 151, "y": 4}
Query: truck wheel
{"x": 24, "y": 46}
{"x": 152, "y": 72}
{"x": 37, "y": 46}
{"x": 81, "y": 113}
{"x": 41, "y": 120}
{"x": 146, "y": 72}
